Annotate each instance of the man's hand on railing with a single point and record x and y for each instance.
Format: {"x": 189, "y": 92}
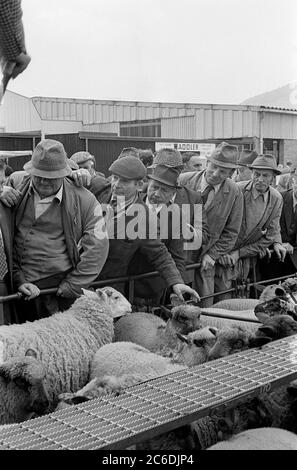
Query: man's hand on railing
{"x": 29, "y": 290}
{"x": 9, "y": 196}
{"x": 207, "y": 262}
{"x": 180, "y": 289}
{"x": 280, "y": 251}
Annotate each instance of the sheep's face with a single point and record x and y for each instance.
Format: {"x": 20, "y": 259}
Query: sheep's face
{"x": 274, "y": 307}
{"x": 114, "y": 300}
{"x": 24, "y": 388}
{"x": 278, "y": 327}
{"x": 274, "y": 290}
{"x": 198, "y": 345}
{"x": 186, "y": 318}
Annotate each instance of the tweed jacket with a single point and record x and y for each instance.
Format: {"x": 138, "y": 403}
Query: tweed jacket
{"x": 267, "y": 231}
{"x": 12, "y": 38}
{"x": 123, "y": 249}
{"x": 6, "y": 229}
{"x": 81, "y": 218}
{"x": 288, "y": 223}
{"x": 224, "y": 214}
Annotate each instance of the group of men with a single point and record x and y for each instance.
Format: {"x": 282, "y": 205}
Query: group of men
{"x": 58, "y": 234}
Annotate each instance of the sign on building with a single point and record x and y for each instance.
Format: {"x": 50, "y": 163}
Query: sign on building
{"x": 202, "y": 149}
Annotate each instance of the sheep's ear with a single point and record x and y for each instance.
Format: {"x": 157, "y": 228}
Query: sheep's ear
{"x": 31, "y": 353}
{"x": 213, "y": 330}
{"x": 89, "y": 293}
{"x": 257, "y": 342}
{"x": 292, "y": 388}
{"x": 183, "y": 338}
{"x": 165, "y": 310}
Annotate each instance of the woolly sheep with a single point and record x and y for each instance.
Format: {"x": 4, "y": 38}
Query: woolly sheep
{"x": 23, "y": 388}
{"x": 67, "y": 341}
{"x": 278, "y": 327}
{"x": 152, "y": 332}
{"x": 118, "y": 365}
{"x": 260, "y": 439}
{"x": 234, "y": 339}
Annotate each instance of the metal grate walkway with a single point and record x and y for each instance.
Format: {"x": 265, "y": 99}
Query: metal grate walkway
{"x": 159, "y": 405}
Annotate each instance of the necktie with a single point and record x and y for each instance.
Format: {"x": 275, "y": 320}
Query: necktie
{"x": 3, "y": 263}
{"x": 205, "y": 193}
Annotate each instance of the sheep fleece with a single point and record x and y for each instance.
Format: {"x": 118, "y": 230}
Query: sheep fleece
{"x": 65, "y": 342}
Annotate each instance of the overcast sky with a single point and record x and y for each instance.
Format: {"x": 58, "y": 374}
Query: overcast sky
{"x": 207, "y": 51}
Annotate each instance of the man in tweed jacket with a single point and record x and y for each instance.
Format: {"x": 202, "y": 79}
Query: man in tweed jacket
{"x": 13, "y": 54}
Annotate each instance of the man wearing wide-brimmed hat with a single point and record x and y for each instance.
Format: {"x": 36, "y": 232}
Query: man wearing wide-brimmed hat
{"x": 246, "y": 158}
{"x": 223, "y": 206}
{"x": 52, "y": 217}
{"x": 178, "y": 209}
{"x": 130, "y": 235}
{"x": 260, "y": 223}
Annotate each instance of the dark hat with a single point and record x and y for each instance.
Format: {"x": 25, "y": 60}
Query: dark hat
{"x": 82, "y": 157}
{"x": 247, "y": 157}
{"x": 131, "y": 151}
{"x": 265, "y": 162}
{"x": 168, "y": 157}
{"x": 49, "y": 160}
{"x": 224, "y": 155}
{"x": 166, "y": 175}
{"x": 128, "y": 167}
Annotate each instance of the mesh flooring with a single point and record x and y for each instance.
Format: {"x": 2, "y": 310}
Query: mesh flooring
{"x": 159, "y": 405}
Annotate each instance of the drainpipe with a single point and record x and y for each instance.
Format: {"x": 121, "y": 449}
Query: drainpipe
{"x": 261, "y": 131}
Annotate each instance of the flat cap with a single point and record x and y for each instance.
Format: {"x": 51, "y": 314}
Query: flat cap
{"x": 81, "y": 157}
{"x": 128, "y": 167}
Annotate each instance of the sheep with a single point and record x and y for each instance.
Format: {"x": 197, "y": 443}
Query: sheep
{"x": 234, "y": 339}
{"x": 259, "y": 439}
{"x": 277, "y": 327}
{"x": 23, "y": 388}
{"x": 152, "y": 332}
{"x": 121, "y": 364}
{"x": 67, "y": 341}
{"x": 276, "y": 306}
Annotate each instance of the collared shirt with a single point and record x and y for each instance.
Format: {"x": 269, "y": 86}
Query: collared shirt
{"x": 41, "y": 205}
{"x": 255, "y": 207}
{"x": 211, "y": 195}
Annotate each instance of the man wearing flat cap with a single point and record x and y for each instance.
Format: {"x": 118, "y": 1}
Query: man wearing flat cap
{"x": 177, "y": 209}
{"x": 124, "y": 204}
{"x": 56, "y": 241}
{"x": 261, "y": 218}
{"x": 86, "y": 161}
{"x": 223, "y": 206}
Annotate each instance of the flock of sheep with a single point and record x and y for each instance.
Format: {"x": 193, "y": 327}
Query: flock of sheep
{"x": 87, "y": 352}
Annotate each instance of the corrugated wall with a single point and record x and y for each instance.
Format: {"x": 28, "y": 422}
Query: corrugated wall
{"x": 113, "y": 127}
{"x": 279, "y": 125}
{"x": 18, "y": 114}
{"x": 61, "y": 127}
{"x": 71, "y": 142}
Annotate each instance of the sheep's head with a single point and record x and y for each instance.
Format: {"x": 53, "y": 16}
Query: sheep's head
{"x": 278, "y": 327}
{"x": 271, "y": 291}
{"x": 273, "y": 307}
{"x": 117, "y": 303}
{"x": 24, "y": 388}
{"x": 233, "y": 339}
{"x": 197, "y": 345}
{"x": 290, "y": 284}
{"x": 185, "y": 318}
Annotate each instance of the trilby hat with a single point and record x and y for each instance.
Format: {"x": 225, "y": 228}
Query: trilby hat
{"x": 224, "y": 155}
{"x": 166, "y": 175}
{"x": 49, "y": 160}
{"x": 265, "y": 162}
{"x": 247, "y": 157}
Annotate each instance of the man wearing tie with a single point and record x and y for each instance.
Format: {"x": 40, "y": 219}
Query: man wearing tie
{"x": 223, "y": 206}
{"x": 6, "y": 309}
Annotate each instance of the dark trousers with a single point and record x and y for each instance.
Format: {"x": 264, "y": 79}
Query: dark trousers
{"x": 43, "y": 305}
{"x": 273, "y": 268}
{"x": 7, "y": 312}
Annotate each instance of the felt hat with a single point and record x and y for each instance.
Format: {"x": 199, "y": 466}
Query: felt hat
{"x": 166, "y": 175}
{"x": 168, "y": 157}
{"x": 224, "y": 155}
{"x": 265, "y": 162}
{"x": 49, "y": 160}
{"x": 128, "y": 167}
{"x": 247, "y": 157}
